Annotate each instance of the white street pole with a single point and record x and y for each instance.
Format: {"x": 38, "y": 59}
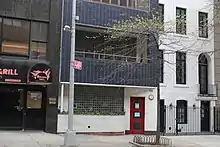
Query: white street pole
{"x": 70, "y": 136}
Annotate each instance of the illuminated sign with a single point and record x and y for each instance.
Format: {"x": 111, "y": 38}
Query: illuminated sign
{"x": 24, "y": 71}
{"x": 10, "y": 75}
{"x": 9, "y": 72}
{"x": 40, "y": 73}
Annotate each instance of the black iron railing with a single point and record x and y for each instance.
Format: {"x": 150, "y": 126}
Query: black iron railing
{"x": 194, "y": 121}
{"x": 114, "y": 69}
{"x": 207, "y": 90}
{"x": 102, "y": 56}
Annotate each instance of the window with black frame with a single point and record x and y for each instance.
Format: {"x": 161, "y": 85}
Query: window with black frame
{"x": 203, "y": 74}
{"x": 181, "y": 111}
{"x": 180, "y": 67}
{"x": 203, "y": 24}
{"x": 181, "y": 21}
{"x": 0, "y": 32}
{"x": 38, "y": 40}
{"x": 23, "y": 38}
{"x": 15, "y": 36}
{"x": 137, "y": 4}
{"x": 161, "y": 66}
{"x": 161, "y": 15}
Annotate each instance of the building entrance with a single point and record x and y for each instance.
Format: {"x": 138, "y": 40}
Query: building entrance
{"x": 22, "y": 107}
{"x": 34, "y": 109}
{"x": 137, "y": 113}
{"x": 10, "y": 109}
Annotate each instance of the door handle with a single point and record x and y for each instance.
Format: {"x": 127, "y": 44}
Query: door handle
{"x": 19, "y": 108}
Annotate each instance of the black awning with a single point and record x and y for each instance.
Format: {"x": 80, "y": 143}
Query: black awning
{"x": 25, "y": 71}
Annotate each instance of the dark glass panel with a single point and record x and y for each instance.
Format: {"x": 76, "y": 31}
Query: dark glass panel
{"x": 15, "y": 8}
{"x": 114, "y": 2}
{"x": 39, "y": 31}
{"x": 181, "y": 68}
{"x": 105, "y": 1}
{"x": 181, "y": 111}
{"x": 40, "y": 9}
{"x": 123, "y": 2}
{"x": 0, "y": 28}
{"x": 38, "y": 50}
{"x": 142, "y": 4}
{"x": 137, "y": 126}
{"x": 203, "y": 74}
{"x": 15, "y": 36}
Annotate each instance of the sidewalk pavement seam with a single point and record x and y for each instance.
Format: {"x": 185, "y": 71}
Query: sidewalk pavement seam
{"x": 34, "y": 140}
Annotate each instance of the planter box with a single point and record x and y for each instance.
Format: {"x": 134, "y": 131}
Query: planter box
{"x": 93, "y": 123}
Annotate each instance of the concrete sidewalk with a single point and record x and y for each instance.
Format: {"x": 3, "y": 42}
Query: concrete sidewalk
{"x": 41, "y": 139}
{"x": 196, "y": 141}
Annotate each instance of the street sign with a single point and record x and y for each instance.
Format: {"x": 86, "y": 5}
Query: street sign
{"x": 77, "y": 65}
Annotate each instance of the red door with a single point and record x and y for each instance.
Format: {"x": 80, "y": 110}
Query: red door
{"x": 137, "y": 108}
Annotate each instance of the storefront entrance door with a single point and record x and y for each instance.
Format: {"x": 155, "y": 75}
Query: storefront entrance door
{"x": 34, "y": 110}
{"x": 137, "y": 107}
{"x": 205, "y": 116}
{"x": 10, "y": 108}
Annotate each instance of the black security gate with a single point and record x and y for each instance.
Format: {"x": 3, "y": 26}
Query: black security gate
{"x": 189, "y": 120}
{"x": 162, "y": 117}
{"x": 217, "y": 119}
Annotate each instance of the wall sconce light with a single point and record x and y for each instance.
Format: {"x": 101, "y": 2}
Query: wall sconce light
{"x": 171, "y": 105}
{"x": 194, "y": 106}
{"x": 151, "y": 97}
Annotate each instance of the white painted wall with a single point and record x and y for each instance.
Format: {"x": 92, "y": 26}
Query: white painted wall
{"x": 113, "y": 123}
{"x": 150, "y": 107}
{"x": 194, "y": 45}
{"x": 96, "y": 123}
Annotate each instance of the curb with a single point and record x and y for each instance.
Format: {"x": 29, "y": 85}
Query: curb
{"x": 141, "y": 145}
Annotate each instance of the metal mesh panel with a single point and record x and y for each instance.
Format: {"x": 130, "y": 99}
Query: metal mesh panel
{"x": 94, "y": 100}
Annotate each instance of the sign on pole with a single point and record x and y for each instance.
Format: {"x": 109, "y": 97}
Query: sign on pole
{"x": 77, "y": 65}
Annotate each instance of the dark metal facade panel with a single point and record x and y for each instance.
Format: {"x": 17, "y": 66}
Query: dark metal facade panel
{"x": 98, "y": 15}
{"x": 115, "y": 73}
{"x": 27, "y": 9}
{"x": 104, "y": 15}
{"x": 66, "y": 43}
{"x": 53, "y": 56}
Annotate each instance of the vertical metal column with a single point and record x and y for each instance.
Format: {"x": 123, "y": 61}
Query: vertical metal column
{"x": 70, "y": 135}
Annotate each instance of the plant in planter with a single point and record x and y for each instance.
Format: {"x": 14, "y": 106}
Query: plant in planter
{"x": 97, "y": 112}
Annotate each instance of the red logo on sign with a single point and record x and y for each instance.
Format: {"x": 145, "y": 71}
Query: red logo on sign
{"x": 41, "y": 75}
{"x": 77, "y": 65}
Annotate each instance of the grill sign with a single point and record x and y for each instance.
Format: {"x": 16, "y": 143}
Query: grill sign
{"x": 8, "y": 72}
{"x": 10, "y": 75}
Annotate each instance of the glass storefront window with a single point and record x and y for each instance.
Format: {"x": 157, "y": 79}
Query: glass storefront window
{"x": 15, "y": 38}
{"x": 0, "y": 31}
{"x": 38, "y": 50}
{"x": 39, "y": 31}
{"x": 23, "y": 38}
